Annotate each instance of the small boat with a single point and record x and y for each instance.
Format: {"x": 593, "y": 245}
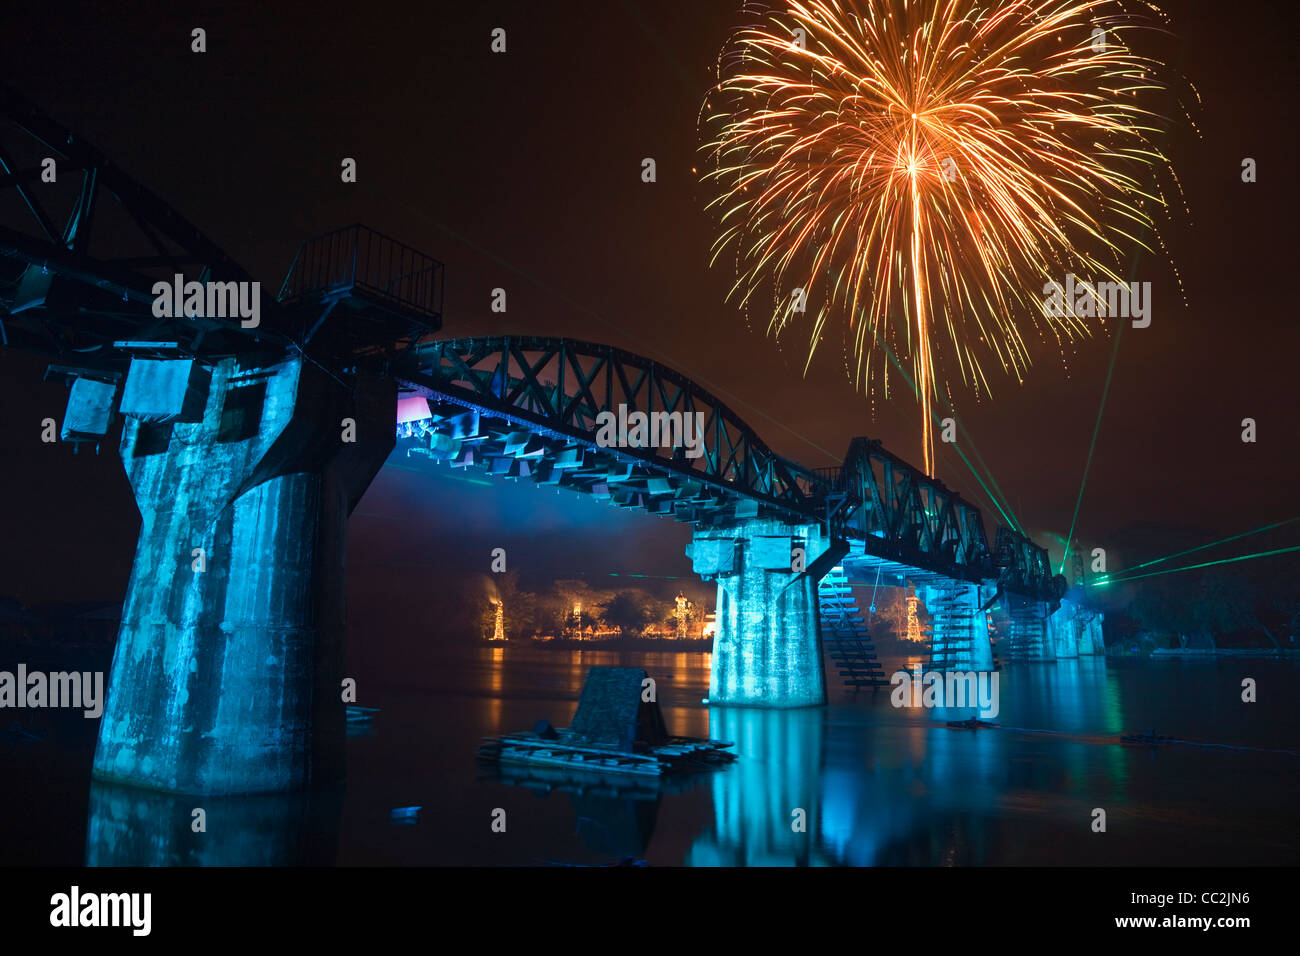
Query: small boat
{"x": 1149, "y": 739}
{"x": 614, "y": 731}
{"x": 971, "y": 724}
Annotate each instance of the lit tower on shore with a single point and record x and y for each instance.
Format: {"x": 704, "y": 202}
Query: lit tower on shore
{"x": 913, "y": 623}
{"x": 498, "y": 628}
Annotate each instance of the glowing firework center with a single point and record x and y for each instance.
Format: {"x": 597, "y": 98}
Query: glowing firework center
{"x": 911, "y": 169}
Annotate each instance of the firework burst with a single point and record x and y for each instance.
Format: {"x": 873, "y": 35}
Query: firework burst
{"x": 928, "y": 167}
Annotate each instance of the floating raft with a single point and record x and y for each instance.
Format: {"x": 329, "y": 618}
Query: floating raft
{"x": 574, "y": 779}
{"x": 614, "y": 731}
{"x": 673, "y": 755}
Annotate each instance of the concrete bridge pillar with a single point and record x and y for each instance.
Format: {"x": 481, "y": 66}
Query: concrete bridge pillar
{"x": 1091, "y": 643}
{"x": 1026, "y": 625}
{"x": 1075, "y": 630}
{"x": 981, "y": 658}
{"x": 227, "y": 673}
{"x": 1040, "y": 625}
{"x": 1063, "y": 630}
{"x": 766, "y": 650}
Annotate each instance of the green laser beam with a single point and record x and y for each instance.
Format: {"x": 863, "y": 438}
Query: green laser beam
{"x": 1015, "y": 521}
{"x": 1202, "y": 547}
{"x": 1009, "y": 519}
{"x": 992, "y": 497}
{"x": 996, "y": 494}
{"x": 1101, "y": 408}
{"x": 1096, "y": 429}
{"x": 1193, "y": 567}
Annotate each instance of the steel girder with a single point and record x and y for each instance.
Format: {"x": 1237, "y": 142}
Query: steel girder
{"x": 1025, "y": 569}
{"x": 77, "y": 269}
{"x": 905, "y": 516}
{"x": 559, "y": 387}
{"x": 556, "y": 388}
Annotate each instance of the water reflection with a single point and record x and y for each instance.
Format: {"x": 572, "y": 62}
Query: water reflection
{"x": 613, "y": 817}
{"x": 1079, "y": 693}
{"x": 616, "y": 826}
{"x": 873, "y": 793}
{"x": 132, "y": 827}
{"x": 877, "y": 785}
{"x": 497, "y": 669}
{"x": 766, "y": 808}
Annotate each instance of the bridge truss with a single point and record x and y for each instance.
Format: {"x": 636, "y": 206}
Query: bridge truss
{"x": 80, "y": 256}
{"x": 531, "y": 407}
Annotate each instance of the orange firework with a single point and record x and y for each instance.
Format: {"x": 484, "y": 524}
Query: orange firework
{"x": 917, "y": 166}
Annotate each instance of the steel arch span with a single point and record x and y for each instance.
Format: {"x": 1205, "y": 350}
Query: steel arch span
{"x": 559, "y": 388}
{"x": 532, "y": 407}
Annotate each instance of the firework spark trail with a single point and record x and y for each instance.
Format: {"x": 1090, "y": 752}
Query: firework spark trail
{"x": 933, "y": 170}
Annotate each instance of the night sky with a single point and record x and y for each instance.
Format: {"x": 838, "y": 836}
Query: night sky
{"x": 523, "y": 171}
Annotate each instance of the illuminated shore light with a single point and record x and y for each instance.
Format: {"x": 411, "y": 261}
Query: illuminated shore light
{"x": 498, "y": 627}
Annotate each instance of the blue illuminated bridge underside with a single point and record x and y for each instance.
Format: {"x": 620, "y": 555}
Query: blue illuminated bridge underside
{"x": 528, "y": 407}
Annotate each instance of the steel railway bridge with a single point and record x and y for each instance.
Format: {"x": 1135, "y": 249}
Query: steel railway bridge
{"x": 248, "y": 438}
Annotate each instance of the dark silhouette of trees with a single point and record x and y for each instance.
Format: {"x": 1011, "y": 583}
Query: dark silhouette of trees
{"x": 1221, "y": 602}
{"x": 628, "y": 611}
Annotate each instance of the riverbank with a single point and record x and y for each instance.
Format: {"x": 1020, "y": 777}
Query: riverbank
{"x": 1199, "y": 653}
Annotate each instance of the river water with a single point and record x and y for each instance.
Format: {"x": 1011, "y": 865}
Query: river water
{"x": 875, "y": 784}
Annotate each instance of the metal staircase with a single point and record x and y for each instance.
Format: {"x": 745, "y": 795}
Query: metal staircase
{"x": 952, "y": 630}
{"x": 1027, "y": 636}
{"x": 844, "y": 633}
